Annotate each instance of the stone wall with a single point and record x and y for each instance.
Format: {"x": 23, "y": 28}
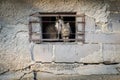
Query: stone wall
{"x": 102, "y": 34}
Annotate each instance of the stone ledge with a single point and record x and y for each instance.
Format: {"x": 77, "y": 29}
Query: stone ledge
{"x": 42, "y": 76}
{"x": 62, "y": 68}
{"x": 64, "y": 71}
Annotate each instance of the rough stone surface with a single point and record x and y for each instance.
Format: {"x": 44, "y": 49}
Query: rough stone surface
{"x": 71, "y": 53}
{"x": 48, "y": 76}
{"x": 102, "y": 38}
{"x": 15, "y": 49}
{"x": 89, "y": 53}
{"x": 42, "y": 53}
{"x": 63, "y": 71}
{"x": 77, "y": 77}
{"x": 49, "y": 53}
{"x": 68, "y": 51}
{"x": 111, "y": 53}
{"x": 92, "y": 8}
{"x": 77, "y": 69}
{"x": 89, "y": 24}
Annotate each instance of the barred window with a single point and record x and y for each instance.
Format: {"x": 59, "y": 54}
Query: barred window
{"x": 56, "y": 27}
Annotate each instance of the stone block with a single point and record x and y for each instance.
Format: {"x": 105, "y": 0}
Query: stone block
{"x": 97, "y": 69}
{"x": 86, "y": 53}
{"x": 111, "y": 53}
{"x": 65, "y": 53}
{"x": 72, "y": 69}
{"x": 116, "y": 27}
{"x": 42, "y": 53}
{"x": 89, "y": 24}
{"x": 48, "y": 76}
{"x": 102, "y": 38}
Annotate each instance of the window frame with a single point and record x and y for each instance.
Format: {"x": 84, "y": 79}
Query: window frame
{"x": 39, "y": 15}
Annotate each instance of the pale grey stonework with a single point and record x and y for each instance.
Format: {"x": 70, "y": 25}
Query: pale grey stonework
{"x": 101, "y": 46}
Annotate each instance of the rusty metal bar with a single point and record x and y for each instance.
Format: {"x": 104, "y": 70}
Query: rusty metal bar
{"x": 52, "y": 21}
{"x": 54, "y": 15}
{"x": 30, "y": 31}
{"x": 59, "y": 39}
{"x": 81, "y": 22}
{"x": 83, "y": 19}
{"x": 34, "y": 21}
{"x": 41, "y": 29}
{"x": 80, "y": 33}
{"x": 57, "y": 14}
{"x": 54, "y": 33}
{"x": 49, "y": 14}
{"x": 64, "y": 21}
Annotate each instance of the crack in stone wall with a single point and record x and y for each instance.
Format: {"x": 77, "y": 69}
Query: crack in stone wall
{"x": 58, "y": 69}
{"x": 14, "y": 44}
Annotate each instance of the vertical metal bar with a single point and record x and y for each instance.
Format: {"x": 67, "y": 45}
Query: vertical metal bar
{"x": 40, "y": 29}
{"x": 30, "y": 31}
{"x": 76, "y": 25}
{"x": 58, "y": 31}
{"x": 83, "y": 28}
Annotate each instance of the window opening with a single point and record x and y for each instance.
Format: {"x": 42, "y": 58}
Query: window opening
{"x": 56, "y": 27}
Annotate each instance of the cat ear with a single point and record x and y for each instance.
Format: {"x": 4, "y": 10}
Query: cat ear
{"x": 67, "y": 24}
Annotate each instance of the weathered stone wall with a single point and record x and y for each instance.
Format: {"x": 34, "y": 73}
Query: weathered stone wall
{"x": 13, "y": 11}
{"x": 102, "y": 33}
